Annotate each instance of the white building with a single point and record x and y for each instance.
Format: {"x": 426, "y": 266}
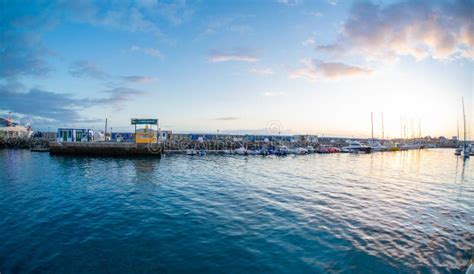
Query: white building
{"x": 10, "y": 129}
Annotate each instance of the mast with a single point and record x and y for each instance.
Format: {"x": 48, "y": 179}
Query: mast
{"x": 383, "y": 131}
{"x": 372, "y": 120}
{"x": 464, "y": 117}
{"x": 105, "y": 131}
{"x": 457, "y": 141}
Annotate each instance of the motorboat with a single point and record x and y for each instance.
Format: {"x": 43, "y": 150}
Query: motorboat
{"x": 356, "y": 147}
{"x": 241, "y": 151}
{"x": 191, "y": 152}
{"x": 328, "y": 149}
{"x": 377, "y": 146}
{"x": 310, "y": 149}
{"x": 281, "y": 150}
{"x": 298, "y": 151}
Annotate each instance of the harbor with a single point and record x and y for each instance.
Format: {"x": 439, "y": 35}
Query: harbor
{"x": 149, "y": 140}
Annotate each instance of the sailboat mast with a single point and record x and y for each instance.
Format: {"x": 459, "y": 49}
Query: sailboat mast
{"x": 464, "y": 117}
{"x": 372, "y": 120}
{"x": 458, "y": 132}
{"x": 383, "y": 130}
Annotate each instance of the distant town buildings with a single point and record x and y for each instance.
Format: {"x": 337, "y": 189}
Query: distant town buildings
{"x": 11, "y": 129}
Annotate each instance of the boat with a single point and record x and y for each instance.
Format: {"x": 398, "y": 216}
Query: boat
{"x": 298, "y": 151}
{"x": 377, "y": 146}
{"x": 310, "y": 149}
{"x": 253, "y": 152}
{"x": 191, "y": 152}
{"x": 281, "y": 150}
{"x": 356, "y": 147}
{"x": 324, "y": 149}
{"x": 241, "y": 151}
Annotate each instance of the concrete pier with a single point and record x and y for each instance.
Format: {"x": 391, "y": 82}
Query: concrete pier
{"x": 105, "y": 149}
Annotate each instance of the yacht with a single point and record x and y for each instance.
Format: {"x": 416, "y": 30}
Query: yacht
{"x": 356, "y": 147}
{"x": 377, "y": 146}
{"x": 298, "y": 151}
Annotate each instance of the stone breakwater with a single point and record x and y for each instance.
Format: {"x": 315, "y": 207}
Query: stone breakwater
{"x": 22, "y": 143}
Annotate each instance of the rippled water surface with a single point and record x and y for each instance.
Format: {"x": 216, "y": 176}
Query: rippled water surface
{"x": 381, "y": 213}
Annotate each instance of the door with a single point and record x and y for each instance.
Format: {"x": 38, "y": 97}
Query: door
{"x": 64, "y": 133}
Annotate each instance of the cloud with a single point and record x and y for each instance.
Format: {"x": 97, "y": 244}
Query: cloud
{"x": 273, "y": 94}
{"x": 315, "y": 13}
{"x": 315, "y": 70}
{"x": 140, "y": 16}
{"x": 309, "y": 41}
{"x": 230, "y": 118}
{"x": 240, "y": 55}
{"x": 288, "y": 2}
{"x": 87, "y": 69}
{"x": 46, "y": 106}
{"x": 236, "y": 23}
{"x": 437, "y": 29}
{"x": 147, "y": 51}
{"x": 22, "y": 50}
{"x": 262, "y": 71}
{"x": 138, "y": 79}
{"x": 42, "y": 104}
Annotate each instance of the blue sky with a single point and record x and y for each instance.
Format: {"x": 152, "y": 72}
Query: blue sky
{"x": 317, "y": 67}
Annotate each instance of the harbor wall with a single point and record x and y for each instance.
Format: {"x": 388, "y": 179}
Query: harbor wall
{"x": 105, "y": 149}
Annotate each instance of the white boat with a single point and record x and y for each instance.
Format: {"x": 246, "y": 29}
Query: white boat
{"x": 410, "y": 146}
{"x": 458, "y": 151}
{"x": 356, "y": 147}
{"x": 310, "y": 149}
{"x": 253, "y": 152}
{"x": 377, "y": 146}
{"x": 241, "y": 151}
{"x": 281, "y": 150}
{"x": 298, "y": 151}
{"x": 467, "y": 151}
{"x": 191, "y": 152}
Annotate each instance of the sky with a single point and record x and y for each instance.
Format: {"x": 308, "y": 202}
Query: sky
{"x": 257, "y": 67}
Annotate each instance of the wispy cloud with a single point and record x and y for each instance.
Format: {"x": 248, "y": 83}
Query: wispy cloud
{"x": 441, "y": 30}
{"x": 240, "y": 55}
{"x": 84, "y": 68}
{"x": 235, "y": 23}
{"x": 227, "y": 118}
{"x": 147, "y": 51}
{"x": 273, "y": 93}
{"x": 315, "y": 70}
{"x": 308, "y": 42}
{"x": 262, "y": 71}
{"x": 138, "y": 79}
{"x": 288, "y": 2}
{"x": 314, "y": 13}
